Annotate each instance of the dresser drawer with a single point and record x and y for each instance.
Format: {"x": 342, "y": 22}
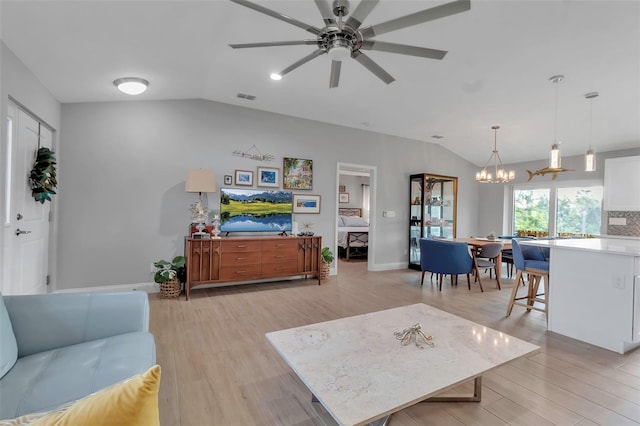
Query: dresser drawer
{"x": 240, "y": 258}
{"x": 240, "y": 272}
{"x": 240, "y": 246}
{"x": 279, "y": 256}
{"x": 283, "y": 244}
{"x": 278, "y": 269}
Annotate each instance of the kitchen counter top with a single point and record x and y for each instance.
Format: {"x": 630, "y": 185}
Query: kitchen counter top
{"x": 628, "y": 247}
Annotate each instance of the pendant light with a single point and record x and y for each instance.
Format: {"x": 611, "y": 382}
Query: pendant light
{"x": 500, "y": 174}
{"x": 555, "y": 161}
{"x": 590, "y": 156}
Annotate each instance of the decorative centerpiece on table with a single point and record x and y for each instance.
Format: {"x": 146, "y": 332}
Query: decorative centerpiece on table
{"x": 170, "y": 276}
{"x": 327, "y": 259}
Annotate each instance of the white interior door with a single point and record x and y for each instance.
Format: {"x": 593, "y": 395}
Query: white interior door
{"x": 26, "y": 230}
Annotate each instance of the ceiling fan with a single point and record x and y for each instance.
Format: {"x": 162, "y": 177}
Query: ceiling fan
{"x": 342, "y": 39}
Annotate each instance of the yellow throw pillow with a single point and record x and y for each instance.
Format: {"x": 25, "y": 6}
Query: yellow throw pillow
{"x": 133, "y": 402}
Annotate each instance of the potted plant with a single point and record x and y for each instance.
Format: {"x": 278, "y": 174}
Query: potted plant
{"x": 327, "y": 258}
{"x": 170, "y": 275}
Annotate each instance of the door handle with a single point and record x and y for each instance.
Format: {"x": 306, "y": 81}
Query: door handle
{"x": 20, "y": 231}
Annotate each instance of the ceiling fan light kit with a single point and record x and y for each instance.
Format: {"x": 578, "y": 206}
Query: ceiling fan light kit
{"x": 342, "y": 39}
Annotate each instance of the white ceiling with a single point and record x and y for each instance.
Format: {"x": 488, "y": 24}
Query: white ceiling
{"x": 501, "y": 55}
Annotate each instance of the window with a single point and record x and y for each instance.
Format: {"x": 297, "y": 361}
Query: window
{"x": 579, "y": 210}
{"x": 557, "y": 210}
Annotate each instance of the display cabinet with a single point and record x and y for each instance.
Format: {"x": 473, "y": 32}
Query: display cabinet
{"x": 432, "y": 213}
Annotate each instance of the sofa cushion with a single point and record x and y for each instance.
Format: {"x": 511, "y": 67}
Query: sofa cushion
{"x": 46, "y": 380}
{"x": 8, "y": 345}
{"x": 133, "y": 402}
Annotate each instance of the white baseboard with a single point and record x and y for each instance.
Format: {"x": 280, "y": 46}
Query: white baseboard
{"x": 388, "y": 266}
{"x": 147, "y": 287}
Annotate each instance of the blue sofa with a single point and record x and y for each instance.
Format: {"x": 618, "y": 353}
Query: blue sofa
{"x": 57, "y": 348}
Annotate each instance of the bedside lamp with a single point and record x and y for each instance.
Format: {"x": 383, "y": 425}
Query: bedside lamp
{"x": 199, "y": 180}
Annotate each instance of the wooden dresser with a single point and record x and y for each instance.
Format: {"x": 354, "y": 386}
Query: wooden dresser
{"x": 230, "y": 259}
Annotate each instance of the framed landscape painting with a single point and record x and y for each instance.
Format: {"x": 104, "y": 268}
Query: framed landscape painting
{"x": 306, "y": 203}
{"x": 268, "y": 177}
{"x": 297, "y": 173}
{"x": 244, "y": 178}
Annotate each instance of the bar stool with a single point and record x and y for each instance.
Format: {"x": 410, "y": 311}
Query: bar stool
{"x": 530, "y": 260}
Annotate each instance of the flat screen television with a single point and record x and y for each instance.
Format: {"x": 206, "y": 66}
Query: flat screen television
{"x": 255, "y": 210}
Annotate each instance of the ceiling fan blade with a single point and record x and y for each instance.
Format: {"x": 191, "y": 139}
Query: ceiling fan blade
{"x": 273, "y": 43}
{"x": 403, "y": 49}
{"x": 313, "y": 30}
{"x": 360, "y": 13}
{"x": 302, "y": 61}
{"x": 372, "y": 66}
{"x": 325, "y": 11}
{"x": 334, "y": 79}
{"x": 421, "y": 17}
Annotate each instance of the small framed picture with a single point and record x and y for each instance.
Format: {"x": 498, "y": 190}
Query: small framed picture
{"x": 244, "y": 178}
{"x": 228, "y": 180}
{"x": 344, "y": 197}
{"x": 269, "y": 177}
{"x": 303, "y": 203}
{"x": 342, "y": 188}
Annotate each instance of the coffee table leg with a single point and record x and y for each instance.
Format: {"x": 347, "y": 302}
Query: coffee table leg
{"x": 475, "y": 397}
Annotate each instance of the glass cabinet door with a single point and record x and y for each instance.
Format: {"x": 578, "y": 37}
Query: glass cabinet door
{"x": 432, "y": 211}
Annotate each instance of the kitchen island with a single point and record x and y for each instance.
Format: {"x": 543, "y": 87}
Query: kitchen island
{"x": 594, "y": 293}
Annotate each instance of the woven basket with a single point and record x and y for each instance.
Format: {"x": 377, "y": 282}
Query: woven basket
{"x": 324, "y": 271}
{"x": 170, "y": 288}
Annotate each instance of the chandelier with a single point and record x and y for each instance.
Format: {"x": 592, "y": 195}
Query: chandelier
{"x": 499, "y": 175}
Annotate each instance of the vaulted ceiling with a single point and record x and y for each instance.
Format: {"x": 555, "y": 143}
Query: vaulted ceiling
{"x": 500, "y": 57}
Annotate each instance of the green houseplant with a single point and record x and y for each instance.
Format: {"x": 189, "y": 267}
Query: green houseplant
{"x": 169, "y": 275}
{"x": 327, "y": 258}
{"x": 327, "y": 255}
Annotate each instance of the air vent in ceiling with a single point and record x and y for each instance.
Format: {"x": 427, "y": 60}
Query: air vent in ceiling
{"x": 247, "y": 97}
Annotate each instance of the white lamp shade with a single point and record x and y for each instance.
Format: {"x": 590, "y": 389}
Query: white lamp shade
{"x": 590, "y": 161}
{"x": 199, "y": 180}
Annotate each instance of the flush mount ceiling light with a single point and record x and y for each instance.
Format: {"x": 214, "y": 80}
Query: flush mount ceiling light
{"x": 500, "y": 175}
{"x": 590, "y": 156}
{"x": 131, "y": 85}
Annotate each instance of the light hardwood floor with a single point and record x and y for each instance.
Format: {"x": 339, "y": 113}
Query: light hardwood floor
{"x": 218, "y": 368}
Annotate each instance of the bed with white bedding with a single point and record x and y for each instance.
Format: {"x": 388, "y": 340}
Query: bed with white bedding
{"x": 353, "y": 234}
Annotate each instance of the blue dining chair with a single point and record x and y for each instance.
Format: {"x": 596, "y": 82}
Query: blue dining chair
{"x": 533, "y": 261}
{"x": 446, "y": 258}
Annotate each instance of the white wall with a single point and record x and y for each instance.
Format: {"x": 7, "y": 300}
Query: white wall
{"x": 353, "y": 187}
{"x": 17, "y": 82}
{"x": 122, "y": 199}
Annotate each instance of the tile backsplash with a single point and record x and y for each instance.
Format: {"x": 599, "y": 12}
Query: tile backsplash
{"x": 632, "y": 227}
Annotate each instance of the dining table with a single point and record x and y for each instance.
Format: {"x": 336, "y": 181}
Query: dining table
{"x": 478, "y": 242}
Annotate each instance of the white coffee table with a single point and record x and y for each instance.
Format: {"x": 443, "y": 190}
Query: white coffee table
{"x": 357, "y": 369}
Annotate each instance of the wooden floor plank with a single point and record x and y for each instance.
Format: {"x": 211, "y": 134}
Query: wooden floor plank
{"x": 218, "y": 368}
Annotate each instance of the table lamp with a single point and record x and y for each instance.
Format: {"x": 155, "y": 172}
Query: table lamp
{"x": 199, "y": 180}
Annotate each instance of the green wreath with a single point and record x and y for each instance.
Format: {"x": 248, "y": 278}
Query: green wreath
{"x": 43, "y": 176}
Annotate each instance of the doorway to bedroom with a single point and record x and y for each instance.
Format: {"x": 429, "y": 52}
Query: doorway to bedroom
{"x": 355, "y": 218}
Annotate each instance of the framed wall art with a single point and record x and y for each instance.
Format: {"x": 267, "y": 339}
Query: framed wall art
{"x": 344, "y": 197}
{"x": 342, "y": 188}
{"x": 228, "y": 180}
{"x": 269, "y": 177}
{"x": 244, "y": 178}
{"x": 303, "y": 203}
{"x": 297, "y": 173}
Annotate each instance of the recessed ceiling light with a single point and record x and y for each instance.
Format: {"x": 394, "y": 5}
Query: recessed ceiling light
{"x": 276, "y": 76}
{"x": 131, "y": 85}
